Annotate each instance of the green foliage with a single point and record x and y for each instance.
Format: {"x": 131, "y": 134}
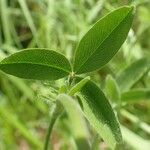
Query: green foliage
{"x": 41, "y": 64}
{"x": 103, "y": 40}
{"x": 136, "y": 141}
{"x": 78, "y": 86}
{"x": 78, "y": 126}
{"x": 112, "y": 89}
{"x": 96, "y": 48}
{"x": 13, "y": 121}
{"x": 98, "y": 111}
{"x": 136, "y": 95}
{"x": 60, "y": 25}
{"x": 130, "y": 75}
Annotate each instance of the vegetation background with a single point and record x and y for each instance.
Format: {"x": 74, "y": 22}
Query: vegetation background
{"x": 25, "y": 106}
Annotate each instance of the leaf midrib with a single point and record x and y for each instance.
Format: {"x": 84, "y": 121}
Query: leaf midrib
{"x": 103, "y": 41}
{"x": 58, "y": 68}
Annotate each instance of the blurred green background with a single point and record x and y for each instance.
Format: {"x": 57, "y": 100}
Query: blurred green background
{"x": 25, "y": 106}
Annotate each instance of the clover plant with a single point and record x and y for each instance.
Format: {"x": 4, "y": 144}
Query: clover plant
{"x": 96, "y": 49}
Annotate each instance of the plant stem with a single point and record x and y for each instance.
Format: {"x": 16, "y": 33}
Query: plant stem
{"x": 55, "y": 114}
{"x": 49, "y": 131}
{"x": 71, "y": 77}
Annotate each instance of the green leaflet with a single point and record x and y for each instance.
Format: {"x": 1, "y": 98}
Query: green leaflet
{"x": 136, "y": 95}
{"x": 78, "y": 86}
{"x": 78, "y": 125}
{"x": 99, "y": 113}
{"x": 112, "y": 89}
{"x": 103, "y": 40}
{"x": 129, "y": 76}
{"x": 40, "y": 64}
